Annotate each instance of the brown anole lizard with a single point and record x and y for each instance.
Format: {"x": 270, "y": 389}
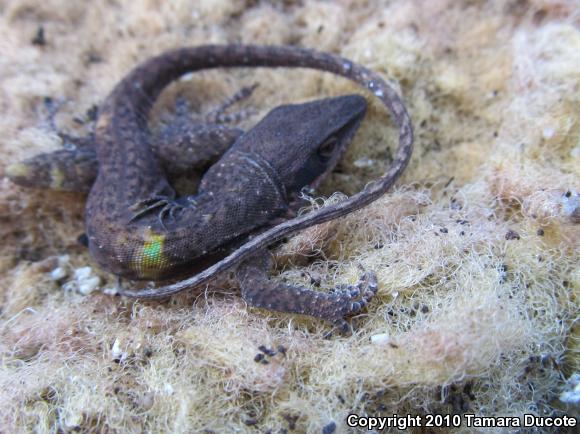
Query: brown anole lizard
{"x": 139, "y": 229}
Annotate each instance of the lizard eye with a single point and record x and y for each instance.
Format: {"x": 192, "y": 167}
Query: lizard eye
{"x": 326, "y": 150}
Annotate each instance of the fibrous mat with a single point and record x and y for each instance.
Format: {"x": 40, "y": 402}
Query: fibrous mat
{"x": 476, "y": 249}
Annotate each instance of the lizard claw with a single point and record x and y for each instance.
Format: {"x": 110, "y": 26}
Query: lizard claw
{"x": 52, "y": 107}
{"x": 168, "y": 208}
{"x": 146, "y": 205}
{"x": 193, "y": 201}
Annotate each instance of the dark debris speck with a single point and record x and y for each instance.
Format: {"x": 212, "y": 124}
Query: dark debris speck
{"x": 512, "y": 235}
{"x": 315, "y": 280}
{"x": 93, "y": 112}
{"x": 267, "y": 351}
{"x": 39, "y": 38}
{"x": 291, "y": 419}
{"x": 329, "y": 428}
{"x": 83, "y": 240}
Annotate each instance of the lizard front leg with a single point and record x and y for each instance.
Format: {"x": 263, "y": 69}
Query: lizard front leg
{"x": 260, "y": 291}
{"x": 184, "y": 141}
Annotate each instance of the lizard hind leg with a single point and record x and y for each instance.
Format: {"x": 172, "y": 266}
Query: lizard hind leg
{"x": 259, "y": 291}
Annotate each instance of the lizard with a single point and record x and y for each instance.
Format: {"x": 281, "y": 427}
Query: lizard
{"x": 138, "y": 228}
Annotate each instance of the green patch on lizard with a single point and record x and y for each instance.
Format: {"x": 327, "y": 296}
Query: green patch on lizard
{"x": 150, "y": 259}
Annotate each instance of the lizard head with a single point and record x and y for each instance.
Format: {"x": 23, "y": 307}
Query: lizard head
{"x": 303, "y": 142}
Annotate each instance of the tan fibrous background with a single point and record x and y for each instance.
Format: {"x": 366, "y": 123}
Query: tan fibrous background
{"x": 476, "y": 250}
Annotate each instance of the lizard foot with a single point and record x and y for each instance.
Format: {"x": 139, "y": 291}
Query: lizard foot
{"x": 151, "y": 203}
{"x": 218, "y": 114}
{"x": 345, "y": 301}
{"x": 71, "y": 143}
{"x": 356, "y": 297}
{"x": 167, "y": 207}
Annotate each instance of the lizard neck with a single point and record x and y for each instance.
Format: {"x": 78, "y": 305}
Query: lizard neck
{"x": 248, "y": 169}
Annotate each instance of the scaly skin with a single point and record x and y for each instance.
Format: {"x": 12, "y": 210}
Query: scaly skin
{"x": 137, "y": 228}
